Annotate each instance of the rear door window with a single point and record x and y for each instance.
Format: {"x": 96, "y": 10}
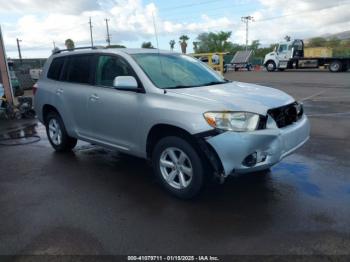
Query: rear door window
{"x": 55, "y": 68}
{"x": 77, "y": 69}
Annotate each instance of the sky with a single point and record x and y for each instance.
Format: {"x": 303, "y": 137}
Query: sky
{"x": 41, "y": 23}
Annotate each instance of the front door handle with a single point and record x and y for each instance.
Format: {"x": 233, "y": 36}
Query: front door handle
{"x": 59, "y": 91}
{"x": 93, "y": 97}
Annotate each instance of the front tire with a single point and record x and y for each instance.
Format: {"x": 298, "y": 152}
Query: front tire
{"x": 270, "y": 66}
{"x": 178, "y": 167}
{"x": 57, "y": 134}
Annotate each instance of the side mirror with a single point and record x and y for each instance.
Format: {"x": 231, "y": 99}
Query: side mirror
{"x": 125, "y": 83}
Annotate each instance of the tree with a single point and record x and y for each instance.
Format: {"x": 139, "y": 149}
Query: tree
{"x": 287, "y": 38}
{"x": 195, "y": 46}
{"x": 183, "y": 43}
{"x": 214, "y": 42}
{"x": 317, "y": 42}
{"x": 69, "y": 44}
{"x": 255, "y": 45}
{"x": 147, "y": 45}
{"x": 333, "y": 42}
{"x": 260, "y": 53}
{"x": 172, "y": 44}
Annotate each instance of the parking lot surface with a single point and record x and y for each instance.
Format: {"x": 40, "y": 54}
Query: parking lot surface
{"x": 96, "y": 201}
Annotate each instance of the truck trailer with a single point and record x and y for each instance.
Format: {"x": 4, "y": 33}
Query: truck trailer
{"x": 290, "y": 55}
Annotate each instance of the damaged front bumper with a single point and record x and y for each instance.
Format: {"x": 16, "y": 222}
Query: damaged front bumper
{"x": 243, "y": 152}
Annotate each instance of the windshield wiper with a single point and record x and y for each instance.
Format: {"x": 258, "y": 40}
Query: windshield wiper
{"x": 205, "y": 84}
{"x": 215, "y": 83}
{"x": 179, "y": 86}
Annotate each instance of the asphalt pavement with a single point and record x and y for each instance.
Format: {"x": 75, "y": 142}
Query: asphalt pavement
{"x": 96, "y": 201}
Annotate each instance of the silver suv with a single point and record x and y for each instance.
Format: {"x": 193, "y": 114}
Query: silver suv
{"x": 169, "y": 108}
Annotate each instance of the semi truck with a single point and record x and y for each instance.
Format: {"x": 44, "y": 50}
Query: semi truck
{"x": 290, "y": 55}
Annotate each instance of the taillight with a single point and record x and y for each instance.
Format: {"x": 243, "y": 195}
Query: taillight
{"x": 35, "y": 87}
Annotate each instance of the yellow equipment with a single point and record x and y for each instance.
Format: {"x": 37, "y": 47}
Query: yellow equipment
{"x": 207, "y": 57}
{"x": 318, "y": 52}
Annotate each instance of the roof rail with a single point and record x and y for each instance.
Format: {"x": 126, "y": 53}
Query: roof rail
{"x": 77, "y": 48}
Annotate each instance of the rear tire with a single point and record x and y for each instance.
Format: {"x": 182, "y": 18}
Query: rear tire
{"x": 178, "y": 167}
{"x": 335, "y": 66}
{"x": 270, "y": 66}
{"x": 57, "y": 134}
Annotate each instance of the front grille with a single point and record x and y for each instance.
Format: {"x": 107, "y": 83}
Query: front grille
{"x": 286, "y": 115}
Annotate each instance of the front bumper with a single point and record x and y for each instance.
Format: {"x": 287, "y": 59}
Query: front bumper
{"x": 270, "y": 145}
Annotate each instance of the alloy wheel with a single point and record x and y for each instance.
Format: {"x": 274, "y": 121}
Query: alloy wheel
{"x": 55, "y": 132}
{"x": 176, "y": 168}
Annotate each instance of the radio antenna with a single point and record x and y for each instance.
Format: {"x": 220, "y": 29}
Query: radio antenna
{"x": 156, "y": 36}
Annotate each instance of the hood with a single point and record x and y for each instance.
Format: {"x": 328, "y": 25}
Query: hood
{"x": 236, "y": 96}
{"x": 269, "y": 56}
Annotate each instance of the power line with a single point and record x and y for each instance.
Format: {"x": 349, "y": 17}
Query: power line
{"x": 108, "y": 38}
{"x": 189, "y": 5}
{"x": 175, "y": 14}
{"x": 303, "y": 12}
{"x": 195, "y": 18}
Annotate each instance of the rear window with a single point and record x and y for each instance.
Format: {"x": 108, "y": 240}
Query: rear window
{"x": 77, "y": 69}
{"x": 55, "y": 68}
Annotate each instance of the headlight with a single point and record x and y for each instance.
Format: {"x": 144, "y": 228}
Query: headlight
{"x": 233, "y": 121}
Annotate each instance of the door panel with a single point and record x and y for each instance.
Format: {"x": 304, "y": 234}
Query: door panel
{"x": 77, "y": 76}
{"x": 114, "y": 114}
{"x": 76, "y": 97}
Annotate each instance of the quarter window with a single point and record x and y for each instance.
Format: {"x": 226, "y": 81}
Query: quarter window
{"x": 55, "y": 68}
{"x": 109, "y": 67}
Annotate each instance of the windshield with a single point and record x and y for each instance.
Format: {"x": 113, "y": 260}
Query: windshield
{"x": 176, "y": 71}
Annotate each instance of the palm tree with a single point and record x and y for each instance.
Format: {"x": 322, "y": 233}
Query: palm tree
{"x": 183, "y": 43}
{"x": 172, "y": 44}
{"x": 69, "y": 44}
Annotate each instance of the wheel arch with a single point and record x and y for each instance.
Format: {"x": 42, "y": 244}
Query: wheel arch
{"x": 270, "y": 60}
{"x": 160, "y": 131}
{"x": 47, "y": 109}
{"x": 203, "y": 148}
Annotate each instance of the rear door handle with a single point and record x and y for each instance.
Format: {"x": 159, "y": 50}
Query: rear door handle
{"x": 93, "y": 97}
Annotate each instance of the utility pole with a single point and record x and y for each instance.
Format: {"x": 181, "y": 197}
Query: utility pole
{"x": 4, "y": 72}
{"x": 19, "y": 49}
{"x": 92, "y": 41}
{"x": 108, "y": 38}
{"x": 246, "y": 19}
{"x": 54, "y": 44}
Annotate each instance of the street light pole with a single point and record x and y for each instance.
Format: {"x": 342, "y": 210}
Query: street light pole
{"x": 246, "y": 19}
